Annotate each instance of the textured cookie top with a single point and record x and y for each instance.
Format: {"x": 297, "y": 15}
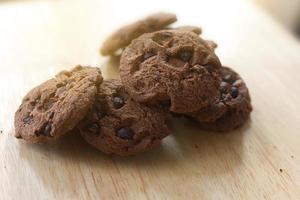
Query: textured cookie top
{"x": 118, "y": 125}
{"x": 122, "y": 37}
{"x": 194, "y": 29}
{"x": 57, "y": 105}
{"x": 171, "y": 66}
{"x": 233, "y": 97}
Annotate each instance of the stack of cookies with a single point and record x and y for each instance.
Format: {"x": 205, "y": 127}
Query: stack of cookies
{"x": 164, "y": 72}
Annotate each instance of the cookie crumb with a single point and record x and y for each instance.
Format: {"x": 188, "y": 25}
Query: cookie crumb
{"x": 292, "y": 156}
{"x": 281, "y": 170}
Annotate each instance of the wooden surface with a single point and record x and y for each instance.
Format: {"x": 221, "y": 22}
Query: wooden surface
{"x": 259, "y": 161}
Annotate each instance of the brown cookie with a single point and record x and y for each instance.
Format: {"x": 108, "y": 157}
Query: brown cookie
{"x": 122, "y": 37}
{"x": 194, "y": 29}
{"x": 232, "y": 107}
{"x": 212, "y": 44}
{"x": 57, "y": 105}
{"x": 118, "y": 125}
{"x": 177, "y": 67}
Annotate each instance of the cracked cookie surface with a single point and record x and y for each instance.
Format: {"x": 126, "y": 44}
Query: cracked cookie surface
{"x": 173, "y": 66}
{"x": 231, "y": 108}
{"x": 118, "y": 125}
{"x": 55, "y": 107}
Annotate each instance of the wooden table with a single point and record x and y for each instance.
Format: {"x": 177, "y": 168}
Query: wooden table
{"x": 259, "y": 161}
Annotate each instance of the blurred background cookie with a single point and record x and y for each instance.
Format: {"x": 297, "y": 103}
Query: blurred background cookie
{"x": 122, "y": 37}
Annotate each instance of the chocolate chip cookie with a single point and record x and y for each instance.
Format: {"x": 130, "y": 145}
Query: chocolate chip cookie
{"x": 57, "y": 105}
{"x": 212, "y": 44}
{"x": 175, "y": 67}
{"x": 194, "y": 29}
{"x": 232, "y": 107}
{"x": 118, "y": 125}
{"x": 122, "y": 37}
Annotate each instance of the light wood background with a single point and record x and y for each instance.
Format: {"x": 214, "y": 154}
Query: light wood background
{"x": 259, "y": 161}
{"x": 285, "y": 11}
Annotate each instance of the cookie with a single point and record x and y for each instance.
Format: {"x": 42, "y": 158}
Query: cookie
{"x": 212, "y": 44}
{"x": 232, "y": 107}
{"x": 57, "y": 105}
{"x": 122, "y": 37}
{"x": 194, "y": 29}
{"x": 118, "y": 125}
{"x": 171, "y": 66}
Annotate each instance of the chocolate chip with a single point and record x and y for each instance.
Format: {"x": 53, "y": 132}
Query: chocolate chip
{"x": 47, "y": 129}
{"x": 125, "y": 133}
{"x": 229, "y": 79}
{"x": 94, "y": 129}
{"x": 209, "y": 67}
{"x": 100, "y": 114}
{"x": 118, "y": 102}
{"x": 185, "y": 55}
{"x": 148, "y": 55}
{"x": 28, "y": 119}
{"x": 234, "y": 92}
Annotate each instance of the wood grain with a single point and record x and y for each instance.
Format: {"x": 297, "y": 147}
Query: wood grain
{"x": 259, "y": 161}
